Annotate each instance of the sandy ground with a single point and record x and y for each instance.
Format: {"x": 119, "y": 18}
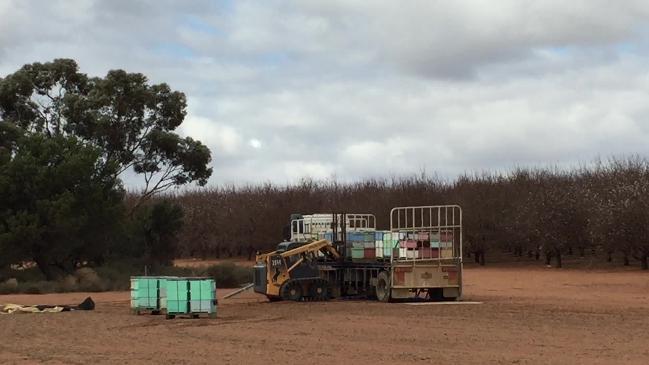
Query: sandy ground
{"x": 528, "y": 316}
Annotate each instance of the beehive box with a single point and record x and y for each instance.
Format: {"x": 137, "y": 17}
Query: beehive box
{"x": 446, "y": 249}
{"x": 428, "y": 253}
{"x": 358, "y": 253}
{"x": 379, "y": 249}
{"x": 408, "y": 244}
{"x": 402, "y": 253}
{"x": 412, "y": 253}
{"x": 369, "y": 244}
{"x": 355, "y": 237}
{"x": 148, "y": 293}
{"x": 191, "y": 296}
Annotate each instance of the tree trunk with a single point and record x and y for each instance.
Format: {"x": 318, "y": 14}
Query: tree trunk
{"x": 45, "y": 268}
{"x": 609, "y": 257}
{"x": 643, "y": 262}
{"x": 626, "y": 260}
{"x": 548, "y": 258}
{"x": 537, "y": 255}
{"x": 476, "y": 257}
{"x": 582, "y": 252}
{"x": 570, "y": 251}
{"x": 218, "y": 250}
{"x": 558, "y": 254}
{"x": 482, "y": 259}
{"x": 251, "y": 250}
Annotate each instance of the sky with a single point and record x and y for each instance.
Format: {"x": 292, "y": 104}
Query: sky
{"x": 346, "y": 90}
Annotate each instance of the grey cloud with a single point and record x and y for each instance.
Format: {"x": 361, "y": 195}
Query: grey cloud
{"x": 432, "y": 38}
{"x": 357, "y": 89}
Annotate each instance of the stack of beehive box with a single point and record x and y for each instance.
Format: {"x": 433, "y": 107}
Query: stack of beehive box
{"x": 148, "y": 293}
{"x": 372, "y": 245}
{"x": 387, "y": 244}
{"x": 360, "y": 245}
{"x": 173, "y": 295}
{"x": 426, "y": 245}
{"x": 191, "y": 296}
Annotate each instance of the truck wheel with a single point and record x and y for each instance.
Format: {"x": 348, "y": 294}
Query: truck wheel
{"x": 291, "y": 290}
{"x": 383, "y": 287}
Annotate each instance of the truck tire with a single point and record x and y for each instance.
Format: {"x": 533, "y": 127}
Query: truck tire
{"x": 383, "y": 287}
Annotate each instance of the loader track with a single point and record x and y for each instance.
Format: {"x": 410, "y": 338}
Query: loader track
{"x": 305, "y": 290}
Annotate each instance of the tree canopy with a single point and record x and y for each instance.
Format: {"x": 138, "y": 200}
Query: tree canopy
{"x": 58, "y": 208}
{"x": 130, "y": 121}
{"x": 65, "y": 140}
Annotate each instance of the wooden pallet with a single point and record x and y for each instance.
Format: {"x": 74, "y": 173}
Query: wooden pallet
{"x": 146, "y": 310}
{"x": 190, "y": 315}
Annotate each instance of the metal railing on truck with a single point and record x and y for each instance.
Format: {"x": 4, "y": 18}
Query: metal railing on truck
{"x": 429, "y": 249}
{"x": 315, "y": 225}
{"x": 432, "y": 233}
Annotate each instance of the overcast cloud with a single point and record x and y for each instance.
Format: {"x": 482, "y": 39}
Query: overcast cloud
{"x": 348, "y": 89}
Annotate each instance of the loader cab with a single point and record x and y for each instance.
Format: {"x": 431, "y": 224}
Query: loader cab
{"x": 273, "y": 265}
{"x": 286, "y": 246}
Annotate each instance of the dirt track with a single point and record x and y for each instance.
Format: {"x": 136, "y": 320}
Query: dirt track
{"x": 529, "y": 316}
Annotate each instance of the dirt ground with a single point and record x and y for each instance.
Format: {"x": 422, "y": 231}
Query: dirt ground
{"x": 528, "y": 316}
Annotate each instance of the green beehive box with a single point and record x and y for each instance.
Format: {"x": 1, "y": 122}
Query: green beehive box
{"x": 148, "y": 293}
{"x": 358, "y": 253}
{"x": 191, "y": 296}
{"x": 388, "y": 247}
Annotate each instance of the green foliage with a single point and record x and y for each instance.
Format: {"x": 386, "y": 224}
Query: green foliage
{"x": 130, "y": 121}
{"x": 57, "y": 206}
{"x": 65, "y": 138}
{"x": 115, "y": 275}
{"x": 157, "y": 225}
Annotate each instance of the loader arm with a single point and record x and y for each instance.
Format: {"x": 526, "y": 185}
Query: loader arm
{"x": 320, "y": 245}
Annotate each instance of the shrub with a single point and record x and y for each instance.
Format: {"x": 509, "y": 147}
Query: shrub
{"x": 38, "y": 287}
{"x": 69, "y": 284}
{"x": 9, "y": 287}
{"x": 24, "y": 274}
{"x": 229, "y": 275}
{"x": 90, "y": 281}
{"x": 116, "y": 276}
{"x": 12, "y": 283}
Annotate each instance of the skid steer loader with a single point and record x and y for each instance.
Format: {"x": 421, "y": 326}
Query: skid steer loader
{"x": 293, "y": 271}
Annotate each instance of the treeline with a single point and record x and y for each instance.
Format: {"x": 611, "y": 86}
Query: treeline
{"x": 600, "y": 209}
